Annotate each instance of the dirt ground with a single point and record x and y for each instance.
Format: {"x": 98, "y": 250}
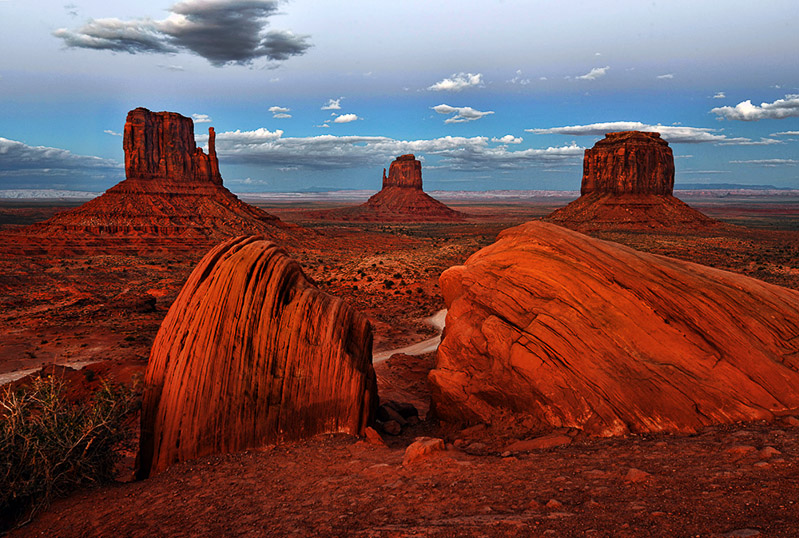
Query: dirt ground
{"x": 735, "y": 480}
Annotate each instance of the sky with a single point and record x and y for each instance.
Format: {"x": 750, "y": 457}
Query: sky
{"x": 316, "y": 95}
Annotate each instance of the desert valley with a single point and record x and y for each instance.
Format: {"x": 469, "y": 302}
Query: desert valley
{"x": 622, "y": 363}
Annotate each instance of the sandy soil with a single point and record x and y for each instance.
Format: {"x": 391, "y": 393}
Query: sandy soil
{"x": 719, "y": 482}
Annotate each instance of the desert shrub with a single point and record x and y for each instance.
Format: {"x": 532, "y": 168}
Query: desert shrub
{"x": 49, "y": 446}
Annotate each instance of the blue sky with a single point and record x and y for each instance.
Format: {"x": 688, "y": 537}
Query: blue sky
{"x": 322, "y": 95}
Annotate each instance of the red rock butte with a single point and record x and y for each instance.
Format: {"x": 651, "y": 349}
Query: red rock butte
{"x": 252, "y": 353}
{"x": 400, "y": 200}
{"x": 173, "y": 197}
{"x": 571, "y": 331}
{"x": 628, "y": 182}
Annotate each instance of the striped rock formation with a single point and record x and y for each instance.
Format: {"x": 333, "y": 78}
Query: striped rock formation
{"x": 252, "y": 353}
{"x": 172, "y": 198}
{"x": 628, "y": 182}
{"x": 583, "y": 333}
{"x": 400, "y": 200}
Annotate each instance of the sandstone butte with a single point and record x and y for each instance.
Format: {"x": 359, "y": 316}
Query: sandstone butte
{"x": 401, "y": 199}
{"x": 582, "y": 333}
{"x": 628, "y": 182}
{"x": 251, "y": 353}
{"x": 173, "y": 196}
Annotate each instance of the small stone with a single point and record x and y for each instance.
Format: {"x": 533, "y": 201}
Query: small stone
{"x": 742, "y": 533}
{"x": 372, "y": 437}
{"x": 740, "y": 451}
{"x": 762, "y": 465}
{"x": 477, "y": 447}
{"x": 657, "y": 513}
{"x": 791, "y": 421}
{"x": 636, "y": 475}
{"x": 592, "y": 504}
{"x": 507, "y": 454}
{"x": 554, "y": 504}
{"x": 392, "y": 427}
{"x": 534, "y": 505}
{"x": 768, "y": 452}
{"x": 421, "y": 448}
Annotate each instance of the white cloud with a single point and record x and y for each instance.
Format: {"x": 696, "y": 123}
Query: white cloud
{"x": 333, "y": 104}
{"x": 221, "y": 31}
{"x": 720, "y": 95}
{"x": 746, "y": 111}
{"x": 201, "y": 118}
{"x": 171, "y": 67}
{"x": 280, "y": 112}
{"x": 519, "y": 79}
{"x": 672, "y": 133}
{"x": 112, "y": 133}
{"x": 263, "y": 147}
{"x": 595, "y": 73}
{"x": 508, "y": 139}
{"x": 461, "y": 114}
{"x": 771, "y": 163}
{"x": 666, "y": 76}
{"x": 346, "y": 118}
{"x": 786, "y": 133}
{"x": 457, "y": 82}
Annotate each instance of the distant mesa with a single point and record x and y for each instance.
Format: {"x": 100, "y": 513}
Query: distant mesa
{"x": 563, "y": 330}
{"x": 628, "y": 182}
{"x": 400, "y": 200}
{"x": 173, "y": 196}
{"x": 252, "y": 353}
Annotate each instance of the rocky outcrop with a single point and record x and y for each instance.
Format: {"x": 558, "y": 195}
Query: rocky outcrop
{"x": 172, "y": 198}
{"x": 569, "y": 331}
{"x": 405, "y": 172}
{"x": 252, "y": 353}
{"x": 629, "y": 162}
{"x": 628, "y": 182}
{"x": 400, "y": 200}
{"x": 161, "y": 145}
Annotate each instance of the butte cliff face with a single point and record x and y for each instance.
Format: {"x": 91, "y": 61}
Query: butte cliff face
{"x": 252, "y": 353}
{"x": 577, "y": 332}
{"x": 628, "y": 182}
{"x": 172, "y": 198}
{"x": 400, "y": 200}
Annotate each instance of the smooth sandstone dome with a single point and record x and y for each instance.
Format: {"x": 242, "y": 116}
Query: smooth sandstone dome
{"x": 578, "y": 332}
{"x": 252, "y": 353}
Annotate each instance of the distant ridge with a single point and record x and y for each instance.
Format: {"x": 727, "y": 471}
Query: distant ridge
{"x": 727, "y": 186}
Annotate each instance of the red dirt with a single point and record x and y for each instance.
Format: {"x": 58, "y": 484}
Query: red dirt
{"x": 705, "y": 484}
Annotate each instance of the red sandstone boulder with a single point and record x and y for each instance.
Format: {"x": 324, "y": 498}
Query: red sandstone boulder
{"x": 400, "y": 200}
{"x": 628, "y": 181}
{"x": 576, "y": 332}
{"x": 252, "y": 353}
{"x": 173, "y": 196}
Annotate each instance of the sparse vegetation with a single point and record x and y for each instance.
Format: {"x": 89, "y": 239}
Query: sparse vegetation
{"x": 49, "y": 446}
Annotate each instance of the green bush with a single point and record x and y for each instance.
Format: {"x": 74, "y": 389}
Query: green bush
{"x": 49, "y": 446}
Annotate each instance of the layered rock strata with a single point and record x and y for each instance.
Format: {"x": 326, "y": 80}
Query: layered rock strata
{"x": 628, "y": 182}
{"x": 577, "y": 332}
{"x": 173, "y": 196}
{"x": 400, "y": 200}
{"x": 252, "y": 353}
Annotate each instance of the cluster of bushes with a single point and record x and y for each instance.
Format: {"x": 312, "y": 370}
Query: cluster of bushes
{"x": 49, "y": 446}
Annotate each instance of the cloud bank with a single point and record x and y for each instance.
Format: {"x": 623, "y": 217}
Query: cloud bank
{"x": 746, "y": 111}
{"x": 457, "y": 82}
{"x": 460, "y": 114}
{"x": 677, "y": 134}
{"x": 269, "y": 148}
{"x": 221, "y": 31}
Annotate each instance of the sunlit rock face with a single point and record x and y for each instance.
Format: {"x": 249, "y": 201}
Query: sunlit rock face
{"x": 400, "y": 200}
{"x": 628, "y": 181}
{"x": 577, "y": 332}
{"x": 172, "y": 198}
{"x": 250, "y": 353}
{"x": 629, "y": 162}
{"x": 160, "y": 145}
